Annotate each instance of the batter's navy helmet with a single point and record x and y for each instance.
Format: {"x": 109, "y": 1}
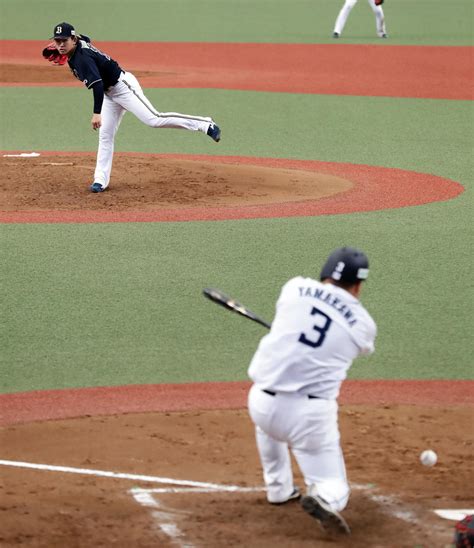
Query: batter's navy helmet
{"x": 346, "y": 264}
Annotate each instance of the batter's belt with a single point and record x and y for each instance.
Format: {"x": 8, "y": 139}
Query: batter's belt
{"x": 309, "y": 396}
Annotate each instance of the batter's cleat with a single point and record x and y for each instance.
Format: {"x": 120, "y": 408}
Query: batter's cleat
{"x": 335, "y": 35}
{"x": 295, "y": 495}
{"x": 384, "y": 35}
{"x": 214, "y": 132}
{"x": 330, "y": 520}
{"x": 97, "y": 187}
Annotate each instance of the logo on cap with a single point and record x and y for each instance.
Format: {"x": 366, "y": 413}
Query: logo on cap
{"x": 336, "y": 275}
{"x": 64, "y": 30}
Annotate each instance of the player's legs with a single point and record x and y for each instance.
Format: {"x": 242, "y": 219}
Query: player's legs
{"x": 276, "y": 464}
{"x": 274, "y": 453}
{"x": 379, "y": 19}
{"x": 343, "y": 15}
{"x": 129, "y": 94}
{"x": 315, "y": 443}
{"x": 112, "y": 114}
{"x": 324, "y": 472}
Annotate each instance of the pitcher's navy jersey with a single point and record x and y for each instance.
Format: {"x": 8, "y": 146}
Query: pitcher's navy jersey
{"x": 90, "y": 65}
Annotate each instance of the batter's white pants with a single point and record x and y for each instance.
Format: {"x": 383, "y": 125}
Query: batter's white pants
{"x": 127, "y": 95}
{"x": 307, "y": 427}
{"x": 346, "y": 9}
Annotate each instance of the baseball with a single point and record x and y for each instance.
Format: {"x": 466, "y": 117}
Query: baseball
{"x": 428, "y": 458}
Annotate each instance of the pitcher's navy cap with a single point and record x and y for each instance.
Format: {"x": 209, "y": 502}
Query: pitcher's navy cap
{"x": 63, "y": 30}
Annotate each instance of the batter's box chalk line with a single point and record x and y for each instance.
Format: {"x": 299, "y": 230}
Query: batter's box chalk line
{"x": 166, "y": 518}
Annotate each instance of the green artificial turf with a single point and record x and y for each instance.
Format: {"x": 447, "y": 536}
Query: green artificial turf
{"x": 121, "y": 303}
{"x": 111, "y": 304}
{"x": 302, "y": 21}
{"x": 427, "y": 135}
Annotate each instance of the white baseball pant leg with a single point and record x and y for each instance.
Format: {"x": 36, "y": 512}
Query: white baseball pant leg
{"x": 343, "y": 15}
{"x": 379, "y": 18}
{"x": 276, "y": 464}
{"x": 112, "y": 114}
{"x": 127, "y": 95}
{"x": 309, "y": 428}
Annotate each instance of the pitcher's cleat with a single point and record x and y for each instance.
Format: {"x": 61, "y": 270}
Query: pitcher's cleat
{"x": 97, "y": 187}
{"x": 214, "y": 132}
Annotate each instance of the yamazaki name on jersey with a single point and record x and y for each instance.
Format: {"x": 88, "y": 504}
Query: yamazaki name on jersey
{"x": 331, "y": 300}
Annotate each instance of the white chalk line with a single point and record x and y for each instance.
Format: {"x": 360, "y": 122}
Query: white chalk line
{"x": 145, "y": 496}
{"x": 163, "y": 517}
{"x": 118, "y": 475}
{"x": 167, "y": 520}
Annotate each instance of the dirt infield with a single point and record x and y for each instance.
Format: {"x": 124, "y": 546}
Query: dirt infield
{"x": 392, "y": 501}
{"x": 336, "y": 69}
{"x": 143, "y": 182}
{"x": 176, "y": 467}
{"x": 54, "y": 187}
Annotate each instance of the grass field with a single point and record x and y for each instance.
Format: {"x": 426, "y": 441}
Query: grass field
{"x": 112, "y": 304}
{"x": 302, "y": 21}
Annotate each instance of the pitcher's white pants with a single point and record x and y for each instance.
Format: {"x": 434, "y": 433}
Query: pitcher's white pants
{"x": 127, "y": 95}
{"x": 346, "y": 9}
{"x": 309, "y": 427}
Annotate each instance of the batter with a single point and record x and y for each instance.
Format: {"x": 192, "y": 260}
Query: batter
{"x": 319, "y": 328}
{"x": 116, "y": 92}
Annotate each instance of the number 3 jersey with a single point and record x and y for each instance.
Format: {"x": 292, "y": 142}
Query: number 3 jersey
{"x": 318, "y": 330}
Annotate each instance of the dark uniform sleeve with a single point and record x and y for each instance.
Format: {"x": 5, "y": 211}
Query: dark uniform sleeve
{"x": 95, "y": 69}
{"x": 98, "y": 91}
{"x": 91, "y": 78}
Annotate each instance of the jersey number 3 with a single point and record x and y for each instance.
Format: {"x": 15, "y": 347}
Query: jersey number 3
{"x": 321, "y": 330}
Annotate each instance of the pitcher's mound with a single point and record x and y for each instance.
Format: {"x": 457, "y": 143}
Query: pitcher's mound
{"x": 146, "y": 182}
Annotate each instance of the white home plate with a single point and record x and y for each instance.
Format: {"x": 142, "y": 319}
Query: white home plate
{"x": 454, "y": 515}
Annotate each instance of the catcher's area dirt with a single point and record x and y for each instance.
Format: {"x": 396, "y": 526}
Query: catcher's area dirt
{"x": 392, "y": 501}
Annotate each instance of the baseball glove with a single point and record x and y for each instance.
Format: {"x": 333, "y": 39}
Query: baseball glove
{"x": 51, "y": 54}
{"x": 464, "y": 532}
{"x": 378, "y": 2}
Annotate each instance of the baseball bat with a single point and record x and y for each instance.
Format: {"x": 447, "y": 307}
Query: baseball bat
{"x": 218, "y": 297}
